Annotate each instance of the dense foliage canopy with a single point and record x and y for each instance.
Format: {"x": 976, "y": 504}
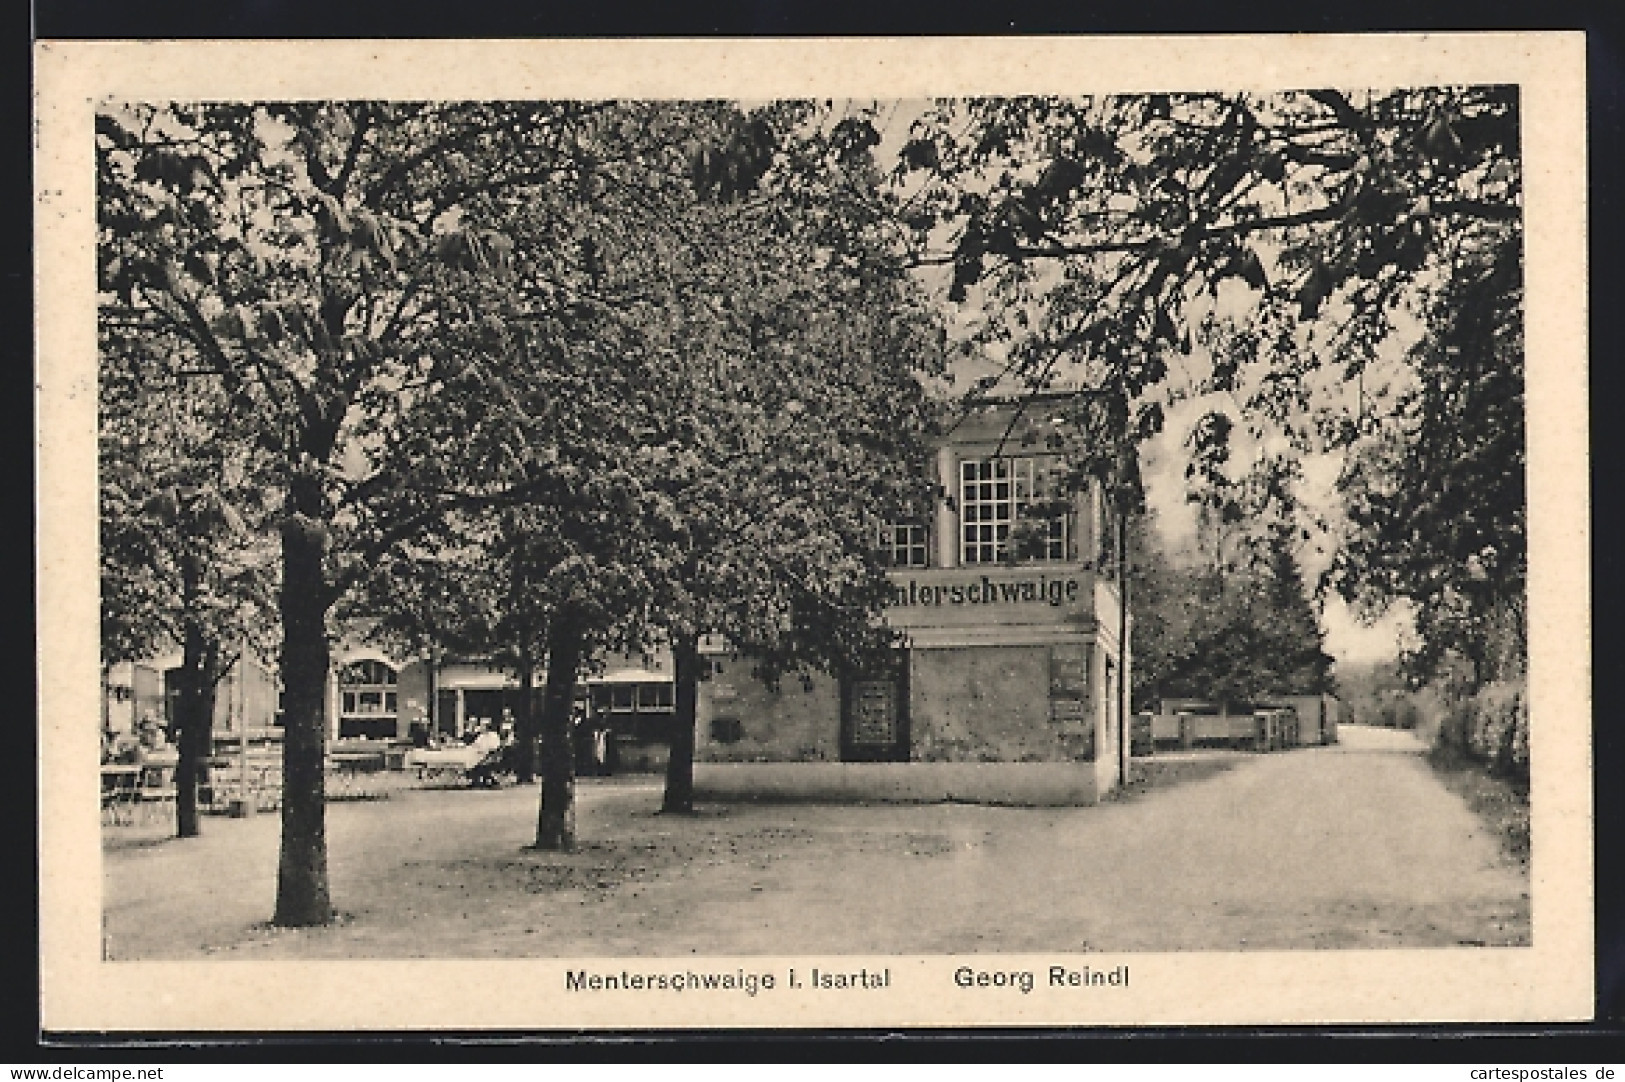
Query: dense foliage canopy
{"x": 1270, "y": 249}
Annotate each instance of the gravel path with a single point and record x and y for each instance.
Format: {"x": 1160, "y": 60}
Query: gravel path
{"x": 1355, "y": 845}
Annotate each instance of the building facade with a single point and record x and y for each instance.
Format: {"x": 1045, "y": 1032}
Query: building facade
{"x": 376, "y": 696}
{"x": 1009, "y": 686}
{"x": 134, "y": 693}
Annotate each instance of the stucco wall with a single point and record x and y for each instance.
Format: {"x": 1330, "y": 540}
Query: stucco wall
{"x": 258, "y": 700}
{"x": 981, "y": 704}
{"x": 792, "y": 724}
{"x": 987, "y": 704}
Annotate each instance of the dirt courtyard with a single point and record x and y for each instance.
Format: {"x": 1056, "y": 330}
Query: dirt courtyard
{"x": 1352, "y": 846}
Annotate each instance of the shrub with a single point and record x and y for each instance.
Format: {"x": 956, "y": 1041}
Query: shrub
{"x": 1454, "y": 738}
{"x": 1490, "y": 727}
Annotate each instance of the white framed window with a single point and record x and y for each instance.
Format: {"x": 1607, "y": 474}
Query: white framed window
{"x": 368, "y": 704}
{"x": 367, "y": 687}
{"x": 903, "y": 545}
{"x": 371, "y": 703}
{"x": 622, "y": 698}
{"x": 993, "y": 494}
{"x": 656, "y": 697}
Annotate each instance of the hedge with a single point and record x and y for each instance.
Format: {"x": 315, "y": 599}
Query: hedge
{"x": 1491, "y": 727}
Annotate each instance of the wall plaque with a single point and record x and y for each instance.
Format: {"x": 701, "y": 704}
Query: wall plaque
{"x": 1069, "y": 687}
{"x": 1069, "y": 671}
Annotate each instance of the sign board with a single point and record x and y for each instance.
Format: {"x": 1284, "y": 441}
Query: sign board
{"x": 1064, "y": 710}
{"x": 1069, "y": 671}
{"x": 992, "y": 589}
{"x": 1069, "y": 686}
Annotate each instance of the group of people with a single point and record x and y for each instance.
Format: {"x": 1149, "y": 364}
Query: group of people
{"x": 132, "y": 748}
{"x": 494, "y": 741}
{"x": 498, "y": 746}
{"x": 497, "y": 750}
{"x": 594, "y": 749}
{"x": 497, "y": 743}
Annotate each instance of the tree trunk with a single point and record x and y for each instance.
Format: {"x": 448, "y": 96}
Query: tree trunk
{"x": 556, "y": 817}
{"x": 302, "y": 897}
{"x": 107, "y": 707}
{"x": 524, "y": 721}
{"x": 686, "y": 663}
{"x": 434, "y": 692}
{"x": 194, "y": 701}
{"x": 194, "y": 727}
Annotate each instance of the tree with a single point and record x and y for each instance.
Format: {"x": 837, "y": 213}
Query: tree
{"x": 1160, "y": 612}
{"x": 611, "y": 404}
{"x": 798, "y": 426}
{"x": 592, "y": 564}
{"x": 1437, "y": 502}
{"x": 1234, "y": 639}
{"x": 780, "y": 540}
{"x": 1296, "y": 641}
{"x": 1234, "y": 620}
{"x": 325, "y": 264}
{"x": 1321, "y": 202}
{"x": 179, "y": 567}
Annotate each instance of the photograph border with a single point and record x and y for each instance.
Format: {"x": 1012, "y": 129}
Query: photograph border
{"x": 1549, "y": 981}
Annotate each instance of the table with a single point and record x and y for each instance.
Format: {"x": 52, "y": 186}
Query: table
{"x": 444, "y": 766}
{"x": 259, "y": 786}
{"x": 121, "y": 789}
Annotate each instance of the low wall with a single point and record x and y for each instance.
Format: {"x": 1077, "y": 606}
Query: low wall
{"x": 1019, "y": 784}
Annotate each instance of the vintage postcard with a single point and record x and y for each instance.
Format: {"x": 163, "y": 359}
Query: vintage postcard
{"x": 558, "y": 535}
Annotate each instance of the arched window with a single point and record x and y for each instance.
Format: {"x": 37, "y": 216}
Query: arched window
{"x": 367, "y": 700}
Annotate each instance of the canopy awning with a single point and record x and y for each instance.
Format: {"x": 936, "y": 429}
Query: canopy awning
{"x": 630, "y": 676}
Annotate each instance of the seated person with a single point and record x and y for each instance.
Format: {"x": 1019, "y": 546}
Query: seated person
{"x": 483, "y": 774}
{"x": 487, "y": 741}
